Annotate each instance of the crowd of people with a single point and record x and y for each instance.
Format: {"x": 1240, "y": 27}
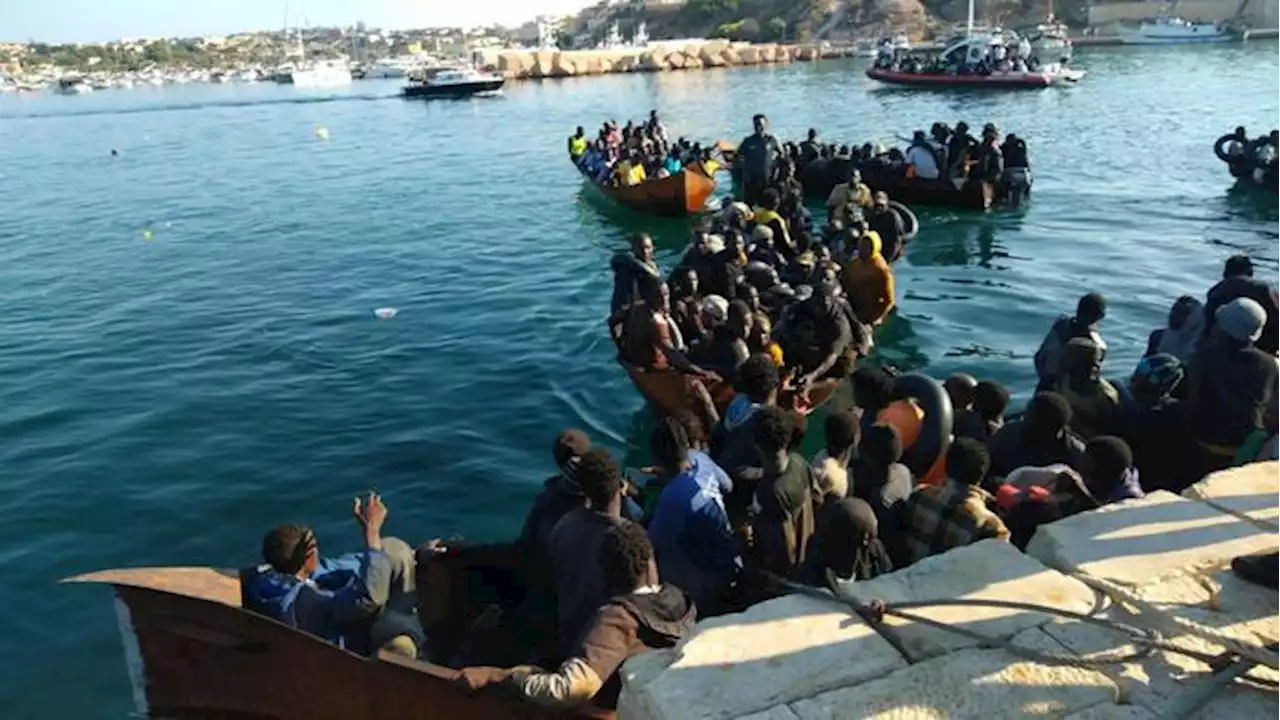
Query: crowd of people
{"x": 1000, "y": 54}
{"x": 943, "y": 153}
{"x": 629, "y": 155}
{"x": 766, "y": 307}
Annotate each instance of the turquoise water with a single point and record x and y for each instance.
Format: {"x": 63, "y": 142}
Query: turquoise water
{"x": 189, "y": 353}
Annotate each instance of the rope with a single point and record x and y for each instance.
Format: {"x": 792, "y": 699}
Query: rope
{"x": 874, "y": 611}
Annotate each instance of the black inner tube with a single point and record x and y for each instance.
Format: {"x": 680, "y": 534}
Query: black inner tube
{"x": 935, "y": 430}
{"x": 1220, "y": 150}
{"x": 910, "y": 222}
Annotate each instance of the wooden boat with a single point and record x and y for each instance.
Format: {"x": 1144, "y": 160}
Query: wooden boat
{"x": 193, "y": 652}
{"x": 664, "y": 390}
{"x": 684, "y": 193}
{"x": 972, "y": 195}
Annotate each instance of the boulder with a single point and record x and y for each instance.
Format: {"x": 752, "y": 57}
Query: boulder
{"x": 653, "y": 60}
{"x": 806, "y": 54}
{"x": 731, "y": 56}
{"x": 515, "y": 64}
{"x": 675, "y": 61}
{"x": 590, "y": 65}
{"x": 606, "y": 64}
{"x": 543, "y": 62}
{"x": 768, "y": 53}
{"x": 563, "y": 65}
{"x": 714, "y": 47}
{"x": 692, "y": 62}
{"x": 627, "y": 63}
{"x": 749, "y": 55}
{"x": 710, "y": 58}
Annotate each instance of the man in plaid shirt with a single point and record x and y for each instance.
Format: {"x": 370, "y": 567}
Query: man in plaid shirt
{"x": 938, "y": 518}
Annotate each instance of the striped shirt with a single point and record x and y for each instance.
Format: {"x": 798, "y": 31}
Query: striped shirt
{"x": 938, "y": 518}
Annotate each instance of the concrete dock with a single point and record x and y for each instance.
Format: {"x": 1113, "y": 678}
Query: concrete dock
{"x": 804, "y": 658}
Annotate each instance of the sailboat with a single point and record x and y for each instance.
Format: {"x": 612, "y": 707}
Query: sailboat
{"x": 313, "y": 73}
{"x": 971, "y": 50}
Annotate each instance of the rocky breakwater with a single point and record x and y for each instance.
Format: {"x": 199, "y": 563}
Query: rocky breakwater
{"x": 520, "y": 64}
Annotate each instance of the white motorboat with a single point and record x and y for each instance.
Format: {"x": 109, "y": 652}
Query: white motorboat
{"x": 327, "y": 73}
{"x": 455, "y": 83}
{"x": 1168, "y": 30}
{"x": 386, "y": 68}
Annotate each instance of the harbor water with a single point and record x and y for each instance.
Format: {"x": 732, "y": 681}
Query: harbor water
{"x": 189, "y": 350}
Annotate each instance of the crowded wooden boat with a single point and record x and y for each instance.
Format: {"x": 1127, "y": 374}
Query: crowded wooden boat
{"x": 765, "y": 314}
{"x": 639, "y": 167}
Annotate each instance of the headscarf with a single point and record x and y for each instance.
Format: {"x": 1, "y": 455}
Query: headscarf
{"x": 848, "y": 541}
{"x": 1181, "y": 341}
{"x": 1241, "y": 319}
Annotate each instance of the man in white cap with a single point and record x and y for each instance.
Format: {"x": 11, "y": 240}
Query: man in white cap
{"x": 1231, "y": 387}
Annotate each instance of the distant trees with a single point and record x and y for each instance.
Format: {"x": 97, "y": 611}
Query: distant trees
{"x": 776, "y": 28}
{"x": 712, "y": 8}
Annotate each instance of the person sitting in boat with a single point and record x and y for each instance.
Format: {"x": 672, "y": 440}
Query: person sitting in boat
{"x": 1238, "y": 281}
{"x": 868, "y": 281}
{"x": 937, "y": 518}
{"x": 361, "y": 601}
{"x": 960, "y": 144}
{"x": 982, "y": 421}
{"x": 685, "y": 307}
{"x": 854, "y": 192}
{"x": 767, "y": 215}
{"x": 577, "y": 144}
{"x": 783, "y": 508}
{"x": 762, "y": 248}
{"x": 671, "y": 164}
{"x": 1090, "y": 310}
{"x": 810, "y": 149}
{"x": 999, "y": 57}
{"x": 1041, "y": 438}
{"x": 1108, "y": 471}
{"x": 818, "y": 337}
{"x": 1095, "y": 402}
{"x": 725, "y": 272}
{"x": 886, "y": 223}
{"x": 725, "y": 349}
{"x": 640, "y": 613}
{"x": 761, "y": 339}
{"x": 631, "y": 270}
{"x": 1231, "y": 388}
{"x": 921, "y": 158}
{"x": 732, "y": 440}
{"x": 758, "y": 153}
{"x": 689, "y": 526}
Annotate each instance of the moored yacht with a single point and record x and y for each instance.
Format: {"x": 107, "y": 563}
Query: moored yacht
{"x": 323, "y": 73}
{"x": 1168, "y": 30}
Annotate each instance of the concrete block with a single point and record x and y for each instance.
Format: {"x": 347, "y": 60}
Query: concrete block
{"x": 772, "y": 654}
{"x": 1158, "y": 682}
{"x": 1138, "y": 541}
{"x": 991, "y": 569}
{"x": 977, "y": 684}
{"x": 1251, "y": 492}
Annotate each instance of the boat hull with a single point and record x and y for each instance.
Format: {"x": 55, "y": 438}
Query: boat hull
{"x": 679, "y": 195}
{"x": 664, "y": 390}
{"x": 999, "y": 81}
{"x": 193, "y": 652}
{"x": 460, "y": 90}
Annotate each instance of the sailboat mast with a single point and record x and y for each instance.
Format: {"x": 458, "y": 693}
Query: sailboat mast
{"x": 969, "y": 28}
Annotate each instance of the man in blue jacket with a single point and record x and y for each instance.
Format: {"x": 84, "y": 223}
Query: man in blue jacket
{"x": 360, "y": 601}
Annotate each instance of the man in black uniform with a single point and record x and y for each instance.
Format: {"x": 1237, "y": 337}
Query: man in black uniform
{"x": 757, "y": 154}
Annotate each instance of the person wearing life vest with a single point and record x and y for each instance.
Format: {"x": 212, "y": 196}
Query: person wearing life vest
{"x": 577, "y": 144}
{"x": 768, "y": 216}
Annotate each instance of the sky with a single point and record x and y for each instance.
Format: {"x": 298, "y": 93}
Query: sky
{"x": 61, "y": 21}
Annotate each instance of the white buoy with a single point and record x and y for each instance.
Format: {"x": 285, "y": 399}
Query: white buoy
{"x": 322, "y": 132}
{"x": 385, "y": 313}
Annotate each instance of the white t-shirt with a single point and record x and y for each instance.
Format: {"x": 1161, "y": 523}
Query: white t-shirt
{"x": 925, "y": 164}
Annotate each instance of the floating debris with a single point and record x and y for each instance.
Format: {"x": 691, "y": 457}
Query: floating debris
{"x": 386, "y": 313}
{"x": 322, "y": 132}
{"x": 146, "y": 234}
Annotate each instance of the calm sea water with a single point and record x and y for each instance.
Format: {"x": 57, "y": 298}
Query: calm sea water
{"x": 189, "y": 354}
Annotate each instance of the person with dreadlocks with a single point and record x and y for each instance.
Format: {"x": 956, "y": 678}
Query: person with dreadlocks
{"x": 690, "y": 528}
{"x": 360, "y": 601}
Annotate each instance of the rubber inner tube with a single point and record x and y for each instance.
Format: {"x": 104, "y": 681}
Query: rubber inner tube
{"x": 1219, "y": 147}
{"x": 935, "y": 429}
{"x": 910, "y": 222}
